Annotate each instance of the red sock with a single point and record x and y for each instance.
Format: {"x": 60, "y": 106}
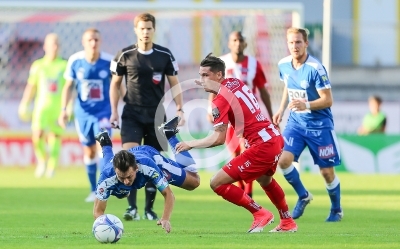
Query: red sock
{"x": 237, "y": 196}
{"x": 277, "y": 197}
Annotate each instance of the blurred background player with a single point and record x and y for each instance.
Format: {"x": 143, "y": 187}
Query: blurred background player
{"x": 249, "y": 70}
{"x": 308, "y": 92}
{"x": 375, "y": 120}
{"x": 44, "y": 84}
{"x": 235, "y": 104}
{"x": 88, "y": 71}
{"x": 144, "y": 66}
{"x": 133, "y": 168}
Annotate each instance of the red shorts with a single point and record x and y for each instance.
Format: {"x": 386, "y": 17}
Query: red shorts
{"x": 258, "y": 160}
{"x": 232, "y": 141}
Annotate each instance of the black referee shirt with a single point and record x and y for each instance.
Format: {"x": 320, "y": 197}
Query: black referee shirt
{"x": 144, "y": 73}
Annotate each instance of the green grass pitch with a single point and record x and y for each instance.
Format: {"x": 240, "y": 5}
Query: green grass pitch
{"x": 51, "y": 213}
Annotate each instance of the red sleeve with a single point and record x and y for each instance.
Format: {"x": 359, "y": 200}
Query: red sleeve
{"x": 220, "y": 109}
{"x": 259, "y": 80}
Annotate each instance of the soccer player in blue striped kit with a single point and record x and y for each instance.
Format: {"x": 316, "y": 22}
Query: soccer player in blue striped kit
{"x": 308, "y": 92}
{"x": 135, "y": 167}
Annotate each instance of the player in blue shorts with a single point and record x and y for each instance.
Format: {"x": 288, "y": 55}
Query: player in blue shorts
{"x": 308, "y": 92}
{"x": 133, "y": 168}
{"x": 88, "y": 71}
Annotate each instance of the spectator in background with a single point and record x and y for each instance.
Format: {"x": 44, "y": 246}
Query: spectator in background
{"x": 45, "y": 82}
{"x": 250, "y": 72}
{"x": 375, "y": 121}
{"x": 89, "y": 72}
{"x": 145, "y": 66}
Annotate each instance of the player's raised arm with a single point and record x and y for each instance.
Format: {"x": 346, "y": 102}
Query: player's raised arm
{"x": 169, "y": 200}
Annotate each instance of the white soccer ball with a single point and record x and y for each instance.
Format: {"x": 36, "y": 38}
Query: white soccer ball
{"x": 108, "y": 228}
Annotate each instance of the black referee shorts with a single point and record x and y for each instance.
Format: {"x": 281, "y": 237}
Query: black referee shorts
{"x": 139, "y": 124}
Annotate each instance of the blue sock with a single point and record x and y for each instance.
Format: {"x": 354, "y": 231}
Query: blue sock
{"x": 183, "y": 158}
{"x": 292, "y": 176}
{"x": 333, "y": 189}
{"x": 91, "y": 170}
{"x": 107, "y": 155}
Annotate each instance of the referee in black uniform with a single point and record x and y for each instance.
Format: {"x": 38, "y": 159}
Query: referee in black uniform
{"x": 145, "y": 66}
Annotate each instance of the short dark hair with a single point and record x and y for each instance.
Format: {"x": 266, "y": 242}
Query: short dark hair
{"x": 216, "y": 64}
{"x": 377, "y": 98}
{"x": 145, "y": 17}
{"x": 123, "y": 160}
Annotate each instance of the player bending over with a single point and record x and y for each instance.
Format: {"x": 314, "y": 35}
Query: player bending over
{"x": 133, "y": 168}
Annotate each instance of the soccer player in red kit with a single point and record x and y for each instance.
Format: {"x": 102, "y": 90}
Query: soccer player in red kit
{"x": 236, "y": 104}
{"x": 250, "y": 72}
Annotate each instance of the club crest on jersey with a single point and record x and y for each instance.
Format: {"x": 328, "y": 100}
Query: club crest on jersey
{"x": 304, "y": 84}
{"x": 157, "y": 78}
{"x": 103, "y": 74}
{"x": 215, "y": 113}
{"x": 232, "y": 84}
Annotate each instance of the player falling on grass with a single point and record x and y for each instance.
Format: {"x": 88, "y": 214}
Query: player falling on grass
{"x": 235, "y": 104}
{"x": 88, "y": 71}
{"x": 145, "y": 66}
{"x": 45, "y": 83}
{"x": 133, "y": 168}
{"x": 250, "y": 72}
{"x": 308, "y": 92}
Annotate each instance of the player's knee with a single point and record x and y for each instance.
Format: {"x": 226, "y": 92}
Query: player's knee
{"x": 215, "y": 183}
{"x": 284, "y": 163}
{"x": 193, "y": 181}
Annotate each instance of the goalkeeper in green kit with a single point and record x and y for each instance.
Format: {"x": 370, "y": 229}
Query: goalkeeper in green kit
{"x": 45, "y": 84}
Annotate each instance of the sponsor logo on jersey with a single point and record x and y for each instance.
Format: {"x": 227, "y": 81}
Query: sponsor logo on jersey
{"x": 297, "y": 94}
{"x": 157, "y": 78}
{"x": 326, "y": 151}
{"x": 324, "y": 78}
{"x": 232, "y": 84}
{"x": 215, "y": 113}
{"x": 52, "y": 85}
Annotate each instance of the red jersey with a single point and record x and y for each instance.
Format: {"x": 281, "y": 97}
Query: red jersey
{"x": 237, "y": 105}
{"x": 249, "y": 71}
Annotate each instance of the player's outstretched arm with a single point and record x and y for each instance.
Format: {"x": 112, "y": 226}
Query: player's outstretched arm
{"x": 169, "y": 200}
{"x": 217, "y": 138}
{"x": 99, "y": 208}
{"x": 114, "y": 98}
